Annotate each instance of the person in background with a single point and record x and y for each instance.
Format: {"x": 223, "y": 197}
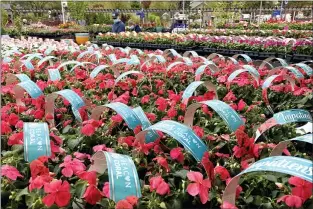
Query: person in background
{"x": 118, "y": 26}
{"x": 134, "y": 27}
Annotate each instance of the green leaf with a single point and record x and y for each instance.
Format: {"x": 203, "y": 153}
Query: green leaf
{"x": 267, "y": 205}
{"x": 66, "y": 129}
{"x": 181, "y": 173}
{"x": 21, "y": 193}
{"x": 72, "y": 143}
{"x": 80, "y": 188}
{"x": 270, "y": 177}
{"x": 249, "y": 199}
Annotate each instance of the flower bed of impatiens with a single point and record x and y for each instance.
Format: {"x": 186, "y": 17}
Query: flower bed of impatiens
{"x": 174, "y": 131}
{"x": 253, "y": 32}
{"x": 285, "y": 46}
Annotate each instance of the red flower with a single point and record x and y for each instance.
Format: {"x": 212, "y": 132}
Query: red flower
{"x": 177, "y": 154}
{"x": 16, "y": 138}
{"x": 163, "y": 162}
{"x": 132, "y": 200}
{"x": 88, "y": 130}
{"x": 230, "y": 97}
{"x": 106, "y": 189}
{"x": 201, "y": 186}
{"x": 10, "y": 172}
{"x": 227, "y": 205}
{"x": 117, "y": 118}
{"x": 13, "y": 119}
{"x": 38, "y": 114}
{"x": 159, "y": 185}
{"x": 100, "y": 147}
{"x": 123, "y": 204}
{"x": 89, "y": 176}
{"x": 92, "y": 194}
{"x": 171, "y": 112}
{"x": 145, "y": 99}
{"x": 161, "y": 103}
{"x": 37, "y": 167}
{"x": 81, "y": 156}
{"x": 199, "y": 131}
{"x": 302, "y": 188}
{"x": 241, "y": 105}
{"x": 5, "y": 128}
{"x": 71, "y": 166}
{"x": 291, "y": 201}
{"x": 58, "y": 193}
{"x": 222, "y": 172}
{"x": 39, "y": 182}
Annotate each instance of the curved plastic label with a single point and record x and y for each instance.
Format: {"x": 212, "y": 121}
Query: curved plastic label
{"x": 97, "y": 70}
{"x": 172, "y": 52}
{"x": 48, "y": 58}
{"x": 126, "y": 113}
{"x": 54, "y": 74}
{"x": 48, "y": 50}
{"x": 11, "y": 78}
{"x": 281, "y": 61}
{"x": 73, "y": 98}
{"x": 246, "y": 57}
{"x": 123, "y": 176}
{"x": 28, "y": 64}
{"x": 32, "y": 89}
{"x": 7, "y": 60}
{"x": 122, "y": 60}
{"x": 31, "y": 56}
{"x": 200, "y": 70}
{"x": 36, "y": 141}
{"x": 160, "y": 58}
{"x": 112, "y": 57}
{"x": 151, "y": 135}
{"x": 127, "y": 73}
{"x": 234, "y": 74}
{"x": 133, "y": 60}
{"x": 181, "y": 133}
{"x": 186, "y": 60}
{"x": 284, "y": 117}
{"x": 233, "y": 60}
{"x": 192, "y": 53}
{"x": 81, "y": 55}
{"x": 64, "y": 64}
{"x": 228, "y": 114}
{"x": 193, "y": 86}
{"x": 283, "y": 164}
{"x": 307, "y": 69}
{"x": 278, "y": 149}
{"x": 174, "y": 64}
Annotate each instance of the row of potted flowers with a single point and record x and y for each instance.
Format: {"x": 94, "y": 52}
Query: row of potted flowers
{"x": 169, "y": 176}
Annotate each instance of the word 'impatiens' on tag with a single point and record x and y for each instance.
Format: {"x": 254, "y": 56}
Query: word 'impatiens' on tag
{"x": 12, "y": 78}
{"x": 228, "y": 114}
{"x": 193, "y": 86}
{"x": 30, "y": 87}
{"x": 284, "y": 117}
{"x": 278, "y": 149}
{"x": 294, "y": 166}
{"x": 268, "y": 82}
{"x": 123, "y": 110}
{"x": 71, "y": 96}
{"x": 152, "y": 135}
{"x": 182, "y": 133}
{"x": 36, "y": 141}
{"x": 123, "y": 176}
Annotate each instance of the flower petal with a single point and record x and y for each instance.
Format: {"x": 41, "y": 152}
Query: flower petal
{"x": 195, "y": 176}
{"x": 48, "y": 200}
{"x": 193, "y": 189}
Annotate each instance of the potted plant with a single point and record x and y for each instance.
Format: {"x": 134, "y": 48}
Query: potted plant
{"x": 158, "y": 23}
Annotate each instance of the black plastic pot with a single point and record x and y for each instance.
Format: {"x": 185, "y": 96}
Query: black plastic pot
{"x": 301, "y": 57}
{"x": 251, "y": 53}
{"x": 209, "y": 50}
{"x": 266, "y": 54}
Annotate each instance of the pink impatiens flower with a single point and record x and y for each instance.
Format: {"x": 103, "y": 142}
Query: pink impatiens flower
{"x": 10, "y": 172}
{"x": 177, "y": 154}
{"x": 58, "y": 193}
{"x": 291, "y": 201}
{"x": 200, "y": 186}
{"x": 71, "y": 166}
{"x": 159, "y": 185}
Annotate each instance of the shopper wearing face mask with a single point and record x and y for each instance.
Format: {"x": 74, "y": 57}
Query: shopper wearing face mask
{"x": 118, "y": 26}
{"x": 134, "y": 27}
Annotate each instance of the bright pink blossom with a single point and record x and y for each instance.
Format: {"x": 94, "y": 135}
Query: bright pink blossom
{"x": 71, "y": 166}
{"x": 10, "y": 172}
{"x": 58, "y": 193}
{"x": 200, "y": 186}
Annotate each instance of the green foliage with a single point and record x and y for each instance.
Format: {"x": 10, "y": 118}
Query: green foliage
{"x": 163, "y": 5}
{"x": 77, "y": 9}
{"x": 158, "y": 21}
{"x": 4, "y": 18}
{"x": 135, "y": 5}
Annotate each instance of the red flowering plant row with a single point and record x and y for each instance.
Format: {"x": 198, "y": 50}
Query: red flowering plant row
{"x": 169, "y": 176}
{"x": 241, "y": 42}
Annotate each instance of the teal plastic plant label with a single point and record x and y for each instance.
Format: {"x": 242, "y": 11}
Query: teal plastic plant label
{"x": 295, "y": 71}
{"x": 252, "y": 70}
{"x": 75, "y": 100}
{"x": 77, "y": 114}
{"x": 229, "y": 115}
{"x": 48, "y": 51}
{"x": 32, "y": 89}
{"x": 191, "y": 89}
{"x": 112, "y": 57}
{"x": 28, "y": 64}
{"x": 122, "y": 172}
{"x": 284, "y": 164}
{"x": 126, "y": 113}
{"x": 54, "y": 74}
{"x": 183, "y": 134}
{"x": 307, "y": 69}
{"x": 36, "y": 141}
{"x": 282, "y": 62}
{"x": 97, "y": 70}
{"x": 245, "y": 57}
{"x": 22, "y": 77}
{"x": 133, "y": 60}
{"x": 152, "y": 135}
{"x": 293, "y": 115}
{"x": 293, "y": 166}
{"x": 7, "y": 59}
{"x": 127, "y": 73}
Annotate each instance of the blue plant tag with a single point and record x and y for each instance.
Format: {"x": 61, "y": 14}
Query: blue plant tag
{"x": 7, "y": 60}
{"x": 152, "y": 135}
{"x": 282, "y": 62}
{"x": 308, "y": 70}
{"x": 36, "y": 141}
{"x": 191, "y": 89}
{"x": 32, "y": 89}
{"x": 252, "y": 70}
{"x": 73, "y": 98}
{"x": 48, "y": 51}
{"x": 127, "y": 73}
{"x": 293, "y": 115}
{"x": 97, "y": 70}
{"x": 201, "y": 68}
{"x": 54, "y": 74}
{"x": 234, "y": 61}
{"x": 229, "y": 115}
{"x": 22, "y": 77}
{"x": 126, "y": 113}
{"x": 184, "y": 135}
{"x": 28, "y": 64}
